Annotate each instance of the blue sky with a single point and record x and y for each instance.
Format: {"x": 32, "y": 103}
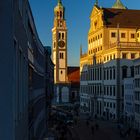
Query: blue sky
{"x": 77, "y": 19}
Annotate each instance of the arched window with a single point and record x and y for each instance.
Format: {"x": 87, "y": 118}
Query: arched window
{"x": 57, "y": 14}
{"x": 62, "y": 35}
{"x": 60, "y": 14}
{"x": 59, "y": 36}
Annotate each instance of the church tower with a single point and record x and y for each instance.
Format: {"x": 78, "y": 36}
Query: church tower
{"x": 59, "y": 44}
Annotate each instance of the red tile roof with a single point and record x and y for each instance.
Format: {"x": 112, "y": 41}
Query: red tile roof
{"x": 74, "y": 74}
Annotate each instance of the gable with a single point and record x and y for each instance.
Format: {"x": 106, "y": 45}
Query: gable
{"x": 94, "y": 11}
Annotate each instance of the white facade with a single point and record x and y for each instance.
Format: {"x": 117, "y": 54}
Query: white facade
{"x": 103, "y": 83}
{"x": 59, "y": 54}
{"x": 59, "y": 44}
{"x": 137, "y": 93}
{"x": 129, "y": 100}
{"x": 84, "y": 103}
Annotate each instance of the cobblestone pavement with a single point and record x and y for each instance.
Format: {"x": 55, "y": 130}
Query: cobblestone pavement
{"x": 106, "y": 131}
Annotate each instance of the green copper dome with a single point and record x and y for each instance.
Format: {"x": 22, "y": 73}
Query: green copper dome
{"x": 118, "y": 5}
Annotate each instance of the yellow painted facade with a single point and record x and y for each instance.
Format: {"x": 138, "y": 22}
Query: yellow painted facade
{"x": 107, "y": 43}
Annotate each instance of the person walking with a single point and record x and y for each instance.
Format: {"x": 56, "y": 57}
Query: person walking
{"x": 87, "y": 122}
{"x": 96, "y": 126}
{"x": 92, "y": 129}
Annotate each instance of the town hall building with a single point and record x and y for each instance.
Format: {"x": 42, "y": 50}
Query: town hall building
{"x": 113, "y": 44}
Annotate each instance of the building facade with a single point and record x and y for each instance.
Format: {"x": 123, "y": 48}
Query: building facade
{"x": 112, "y": 44}
{"x": 59, "y": 35}
{"x": 129, "y": 101}
{"x": 49, "y": 78}
{"x": 74, "y": 79}
{"x": 59, "y": 53}
{"x": 23, "y": 72}
{"x": 137, "y": 94}
{"x": 14, "y": 71}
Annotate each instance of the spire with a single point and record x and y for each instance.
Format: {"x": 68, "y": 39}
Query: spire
{"x": 59, "y": 2}
{"x": 59, "y": 6}
{"x": 96, "y": 2}
{"x": 118, "y": 5}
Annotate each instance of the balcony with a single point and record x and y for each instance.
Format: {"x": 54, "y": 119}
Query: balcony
{"x": 125, "y": 44}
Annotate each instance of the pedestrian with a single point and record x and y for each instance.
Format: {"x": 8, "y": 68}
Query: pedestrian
{"x": 96, "y": 126}
{"x": 92, "y": 129}
{"x": 87, "y": 122}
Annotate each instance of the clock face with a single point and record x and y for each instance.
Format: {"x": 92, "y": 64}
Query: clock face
{"x": 61, "y": 43}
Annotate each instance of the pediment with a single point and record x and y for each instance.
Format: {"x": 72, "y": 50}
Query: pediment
{"x": 95, "y": 11}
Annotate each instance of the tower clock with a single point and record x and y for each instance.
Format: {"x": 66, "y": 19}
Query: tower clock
{"x": 59, "y": 42}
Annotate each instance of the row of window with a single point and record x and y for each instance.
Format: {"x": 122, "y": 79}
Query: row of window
{"x": 123, "y": 35}
{"x": 125, "y": 55}
{"x": 59, "y": 14}
{"x": 95, "y": 38}
{"x": 108, "y": 74}
{"x": 109, "y": 91}
{"x": 96, "y": 74}
{"x": 97, "y": 90}
{"x": 110, "y": 104}
{"x": 113, "y": 35}
{"x": 95, "y": 50}
{"x": 91, "y": 89}
{"x": 109, "y": 57}
{"x": 61, "y": 55}
{"x": 61, "y": 35}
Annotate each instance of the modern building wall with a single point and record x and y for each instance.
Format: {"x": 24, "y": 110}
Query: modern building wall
{"x": 23, "y": 70}
{"x": 14, "y": 71}
{"x": 49, "y": 83}
{"x": 37, "y": 84}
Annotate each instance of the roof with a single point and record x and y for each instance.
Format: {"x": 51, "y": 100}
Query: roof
{"x": 112, "y": 17}
{"x": 74, "y": 74}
